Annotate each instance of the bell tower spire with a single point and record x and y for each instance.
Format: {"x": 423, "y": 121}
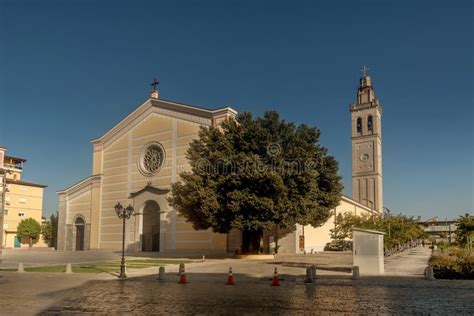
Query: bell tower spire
{"x": 366, "y": 116}
{"x": 365, "y": 94}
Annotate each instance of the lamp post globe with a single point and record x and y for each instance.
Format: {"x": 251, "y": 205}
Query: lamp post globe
{"x": 118, "y": 209}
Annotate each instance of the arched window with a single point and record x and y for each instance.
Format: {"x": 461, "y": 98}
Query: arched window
{"x": 359, "y": 125}
{"x": 370, "y": 124}
{"x": 79, "y": 221}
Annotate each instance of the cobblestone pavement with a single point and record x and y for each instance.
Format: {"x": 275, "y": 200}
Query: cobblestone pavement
{"x": 33, "y": 293}
{"x": 334, "y": 292}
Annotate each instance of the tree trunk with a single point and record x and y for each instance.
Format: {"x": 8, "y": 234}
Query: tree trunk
{"x": 30, "y": 243}
{"x": 276, "y": 238}
{"x": 252, "y": 241}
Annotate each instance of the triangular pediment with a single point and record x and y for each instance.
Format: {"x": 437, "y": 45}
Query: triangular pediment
{"x": 172, "y": 109}
{"x": 150, "y": 189}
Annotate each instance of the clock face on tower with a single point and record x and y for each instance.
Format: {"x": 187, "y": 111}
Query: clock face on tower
{"x": 364, "y": 157}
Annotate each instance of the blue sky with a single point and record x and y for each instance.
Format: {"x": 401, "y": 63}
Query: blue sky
{"x": 70, "y": 70}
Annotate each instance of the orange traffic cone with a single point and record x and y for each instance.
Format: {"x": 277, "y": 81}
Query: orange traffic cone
{"x": 276, "y": 280}
{"x": 230, "y": 278}
{"x": 182, "y": 277}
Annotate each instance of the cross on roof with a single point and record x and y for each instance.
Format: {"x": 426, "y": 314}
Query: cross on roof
{"x": 365, "y": 70}
{"x": 155, "y": 83}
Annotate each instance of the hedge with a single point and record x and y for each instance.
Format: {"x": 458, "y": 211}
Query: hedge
{"x": 453, "y": 263}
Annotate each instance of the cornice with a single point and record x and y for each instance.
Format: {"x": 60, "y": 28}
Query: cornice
{"x": 181, "y": 111}
{"x": 120, "y": 125}
{"x": 349, "y": 200}
{"x": 151, "y": 189}
{"x": 92, "y": 181}
{"x": 374, "y": 135}
{"x": 364, "y": 174}
{"x": 354, "y": 107}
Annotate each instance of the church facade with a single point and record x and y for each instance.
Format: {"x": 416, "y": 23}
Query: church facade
{"x": 136, "y": 161}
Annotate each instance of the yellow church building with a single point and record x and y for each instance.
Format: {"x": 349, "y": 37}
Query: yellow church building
{"x": 135, "y": 163}
{"x": 22, "y": 200}
{"x": 137, "y": 160}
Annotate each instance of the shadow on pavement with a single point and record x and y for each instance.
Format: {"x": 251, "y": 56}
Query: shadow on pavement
{"x": 319, "y": 266}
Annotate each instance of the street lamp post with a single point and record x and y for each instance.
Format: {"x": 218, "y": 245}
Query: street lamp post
{"x": 123, "y": 213}
{"x": 388, "y": 214}
{"x": 449, "y": 232}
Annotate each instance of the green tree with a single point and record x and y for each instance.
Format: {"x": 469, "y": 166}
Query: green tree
{"x": 346, "y": 221}
{"x": 54, "y": 230}
{"x": 49, "y": 230}
{"x": 399, "y": 229}
{"x": 46, "y": 231}
{"x": 465, "y": 229}
{"x": 255, "y": 174}
{"x": 29, "y": 229}
{"x": 343, "y": 226}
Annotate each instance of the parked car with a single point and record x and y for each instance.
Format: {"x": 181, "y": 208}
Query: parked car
{"x": 338, "y": 245}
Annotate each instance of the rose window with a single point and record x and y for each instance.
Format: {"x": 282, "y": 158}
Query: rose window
{"x": 151, "y": 159}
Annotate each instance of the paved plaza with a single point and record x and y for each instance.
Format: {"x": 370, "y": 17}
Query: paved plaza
{"x": 334, "y": 291}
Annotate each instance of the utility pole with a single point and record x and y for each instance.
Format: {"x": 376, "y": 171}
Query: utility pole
{"x": 3, "y": 173}
{"x": 446, "y": 223}
{"x": 449, "y": 232}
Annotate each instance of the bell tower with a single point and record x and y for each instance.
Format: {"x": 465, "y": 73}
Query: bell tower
{"x": 366, "y": 116}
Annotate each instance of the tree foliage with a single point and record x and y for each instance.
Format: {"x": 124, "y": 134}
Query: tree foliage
{"x": 49, "y": 230}
{"x": 399, "y": 229}
{"x": 465, "y": 229}
{"x": 54, "y": 230}
{"x": 46, "y": 231}
{"x": 30, "y": 230}
{"x": 255, "y": 173}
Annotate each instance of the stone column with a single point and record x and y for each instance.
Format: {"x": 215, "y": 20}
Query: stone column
{"x": 87, "y": 233}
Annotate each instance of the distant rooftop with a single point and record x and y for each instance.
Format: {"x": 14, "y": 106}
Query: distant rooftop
{"x": 30, "y": 184}
{"x": 15, "y": 158}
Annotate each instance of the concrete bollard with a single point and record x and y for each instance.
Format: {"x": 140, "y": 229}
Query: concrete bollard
{"x": 203, "y": 258}
{"x": 20, "y": 268}
{"x": 181, "y": 268}
{"x": 313, "y": 271}
{"x": 429, "y": 273}
{"x": 68, "y": 268}
{"x": 161, "y": 274}
{"x": 355, "y": 272}
{"x": 309, "y": 275}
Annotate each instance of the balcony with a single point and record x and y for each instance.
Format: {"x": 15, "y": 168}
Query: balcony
{"x": 440, "y": 228}
{"x": 17, "y": 166}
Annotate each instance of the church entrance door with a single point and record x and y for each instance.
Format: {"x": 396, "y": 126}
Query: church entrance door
{"x": 151, "y": 227}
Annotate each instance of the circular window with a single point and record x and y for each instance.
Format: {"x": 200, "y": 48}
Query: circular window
{"x": 151, "y": 159}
